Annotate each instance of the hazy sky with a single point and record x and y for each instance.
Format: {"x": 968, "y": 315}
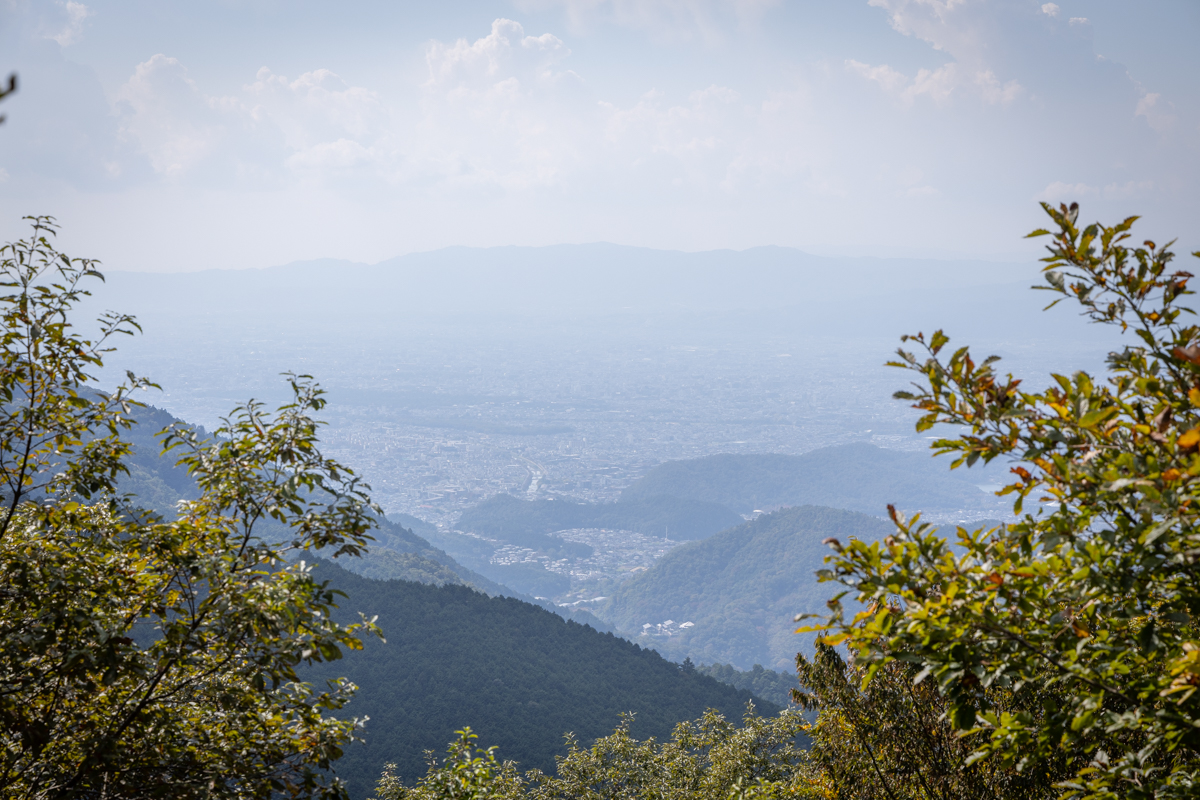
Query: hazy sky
{"x": 184, "y": 135}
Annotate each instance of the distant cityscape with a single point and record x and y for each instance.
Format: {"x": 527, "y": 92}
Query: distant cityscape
{"x": 436, "y": 423}
{"x": 587, "y": 440}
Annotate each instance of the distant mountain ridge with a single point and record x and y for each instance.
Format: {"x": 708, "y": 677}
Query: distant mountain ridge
{"x": 858, "y": 477}
{"x": 609, "y": 276}
{"x": 587, "y": 280}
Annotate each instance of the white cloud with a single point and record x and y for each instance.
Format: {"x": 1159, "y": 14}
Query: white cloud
{"x": 965, "y": 31}
{"x": 68, "y": 27}
{"x": 704, "y": 20}
{"x": 1059, "y": 191}
{"x": 1156, "y": 110}
{"x": 939, "y": 22}
{"x": 500, "y": 111}
{"x": 892, "y": 81}
{"x": 1128, "y": 189}
{"x": 172, "y": 121}
{"x": 689, "y": 132}
{"x": 313, "y": 124}
{"x": 338, "y": 156}
{"x": 993, "y": 92}
{"x": 317, "y": 107}
{"x": 1050, "y": 9}
{"x": 937, "y": 84}
{"x": 505, "y": 50}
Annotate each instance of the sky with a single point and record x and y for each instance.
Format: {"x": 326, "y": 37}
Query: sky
{"x": 178, "y": 136}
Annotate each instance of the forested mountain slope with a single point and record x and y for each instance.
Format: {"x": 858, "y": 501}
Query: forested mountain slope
{"x": 740, "y": 588}
{"x": 154, "y": 477}
{"x": 858, "y": 477}
{"x": 519, "y": 675}
{"x": 772, "y": 686}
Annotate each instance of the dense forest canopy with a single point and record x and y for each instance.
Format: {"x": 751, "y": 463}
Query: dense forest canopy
{"x": 520, "y": 676}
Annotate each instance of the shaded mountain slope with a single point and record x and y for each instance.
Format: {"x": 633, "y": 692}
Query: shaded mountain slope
{"x": 517, "y": 674}
{"x": 400, "y": 554}
{"x": 772, "y": 686}
{"x": 740, "y": 588}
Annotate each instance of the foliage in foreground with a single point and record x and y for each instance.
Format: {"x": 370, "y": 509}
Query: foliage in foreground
{"x": 708, "y": 758}
{"x": 891, "y": 737}
{"x": 1091, "y": 596}
{"x": 144, "y": 658}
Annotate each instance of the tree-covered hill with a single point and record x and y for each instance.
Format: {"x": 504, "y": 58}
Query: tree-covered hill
{"x": 519, "y": 675}
{"x": 525, "y": 522}
{"x": 154, "y": 478}
{"x": 740, "y": 588}
{"x": 858, "y": 477}
{"x": 772, "y": 686}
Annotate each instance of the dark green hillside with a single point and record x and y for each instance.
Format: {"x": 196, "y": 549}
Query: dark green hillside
{"x": 741, "y": 588}
{"x": 401, "y": 554}
{"x": 526, "y": 522}
{"x": 415, "y": 524}
{"x": 859, "y": 477}
{"x": 775, "y": 687}
{"x": 519, "y": 675}
{"x": 154, "y": 478}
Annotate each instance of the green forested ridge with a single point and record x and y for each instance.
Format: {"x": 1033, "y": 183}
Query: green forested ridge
{"x": 768, "y": 684}
{"x": 741, "y": 588}
{"x": 157, "y": 481}
{"x": 415, "y": 524}
{"x": 519, "y": 521}
{"x": 518, "y": 675}
{"x": 381, "y": 564}
{"x": 398, "y": 549}
{"x": 858, "y": 477}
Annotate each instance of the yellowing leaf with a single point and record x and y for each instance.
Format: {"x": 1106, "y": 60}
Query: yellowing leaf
{"x": 1189, "y": 439}
{"x": 1096, "y": 417}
